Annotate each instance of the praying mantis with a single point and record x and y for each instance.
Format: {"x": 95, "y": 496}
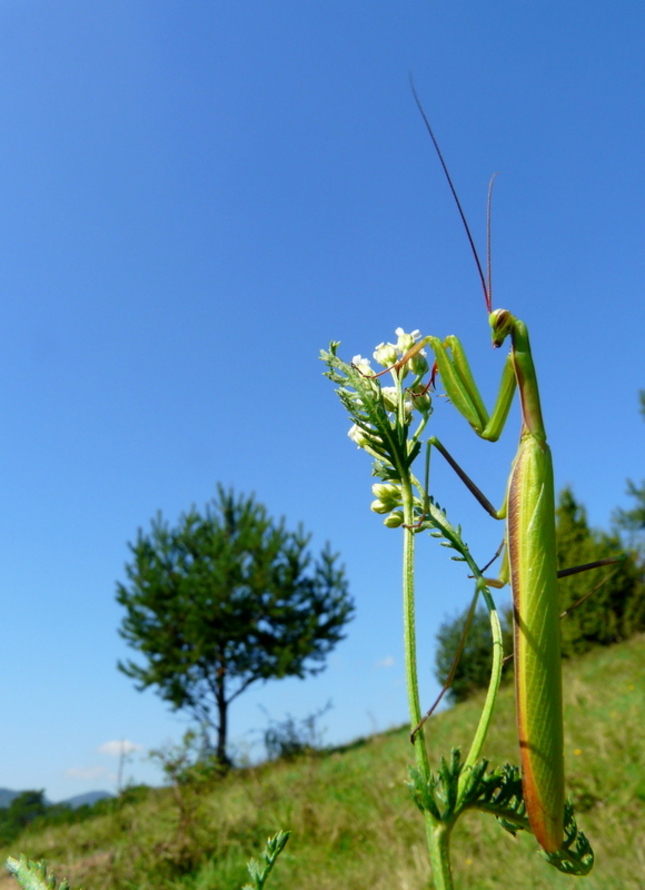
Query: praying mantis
{"x": 529, "y": 558}
{"x": 529, "y": 563}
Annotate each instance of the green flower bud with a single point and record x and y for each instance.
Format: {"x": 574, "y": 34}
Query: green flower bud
{"x": 389, "y": 495}
{"x": 406, "y": 341}
{"x": 357, "y": 435}
{"x": 391, "y": 401}
{"x": 394, "y": 520}
{"x": 419, "y": 364}
{"x": 390, "y": 397}
{"x": 363, "y": 365}
{"x": 385, "y": 354}
{"x": 422, "y": 401}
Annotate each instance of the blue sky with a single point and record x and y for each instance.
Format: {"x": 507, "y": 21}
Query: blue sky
{"x": 195, "y": 197}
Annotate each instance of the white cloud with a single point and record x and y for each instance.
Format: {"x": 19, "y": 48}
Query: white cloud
{"x": 117, "y": 749}
{"x": 87, "y": 773}
{"x": 386, "y": 662}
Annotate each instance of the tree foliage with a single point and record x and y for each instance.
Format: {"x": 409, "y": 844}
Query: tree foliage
{"x": 473, "y": 671}
{"x": 616, "y": 610}
{"x": 22, "y": 810}
{"x": 633, "y": 521}
{"x": 225, "y": 599}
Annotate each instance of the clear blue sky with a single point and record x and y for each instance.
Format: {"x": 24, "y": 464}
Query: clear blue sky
{"x": 195, "y": 197}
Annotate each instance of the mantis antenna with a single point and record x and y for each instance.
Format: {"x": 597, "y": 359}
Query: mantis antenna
{"x": 486, "y": 280}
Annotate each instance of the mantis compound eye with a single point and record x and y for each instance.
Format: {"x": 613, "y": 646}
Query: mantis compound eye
{"x": 501, "y": 322}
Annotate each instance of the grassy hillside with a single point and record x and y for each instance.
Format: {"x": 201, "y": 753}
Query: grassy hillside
{"x": 353, "y": 823}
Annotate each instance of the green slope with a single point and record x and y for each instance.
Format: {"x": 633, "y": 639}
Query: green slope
{"x": 353, "y": 823}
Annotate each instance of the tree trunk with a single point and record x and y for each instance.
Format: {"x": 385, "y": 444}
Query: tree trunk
{"x": 222, "y": 727}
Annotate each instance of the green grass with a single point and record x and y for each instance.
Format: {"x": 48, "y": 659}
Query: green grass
{"x": 353, "y": 823}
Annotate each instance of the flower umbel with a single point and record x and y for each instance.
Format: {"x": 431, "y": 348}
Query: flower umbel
{"x": 383, "y": 415}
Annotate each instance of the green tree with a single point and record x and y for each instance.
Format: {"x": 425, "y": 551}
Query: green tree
{"x": 616, "y": 610}
{"x": 473, "y": 671}
{"x": 22, "y": 810}
{"x": 223, "y": 600}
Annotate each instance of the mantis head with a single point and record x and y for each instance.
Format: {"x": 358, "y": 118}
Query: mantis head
{"x": 501, "y": 322}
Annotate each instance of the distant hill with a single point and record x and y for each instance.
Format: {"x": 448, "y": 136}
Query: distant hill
{"x": 7, "y": 795}
{"x": 90, "y": 797}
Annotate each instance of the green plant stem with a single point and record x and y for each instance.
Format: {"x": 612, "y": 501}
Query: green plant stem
{"x": 409, "y": 635}
{"x": 493, "y": 688}
{"x": 439, "y": 848}
{"x": 437, "y": 833}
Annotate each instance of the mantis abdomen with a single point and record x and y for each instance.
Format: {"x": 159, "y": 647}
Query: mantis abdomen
{"x": 538, "y": 682}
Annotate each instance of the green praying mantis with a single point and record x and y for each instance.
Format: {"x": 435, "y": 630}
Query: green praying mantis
{"x": 529, "y": 563}
{"x": 529, "y": 547}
